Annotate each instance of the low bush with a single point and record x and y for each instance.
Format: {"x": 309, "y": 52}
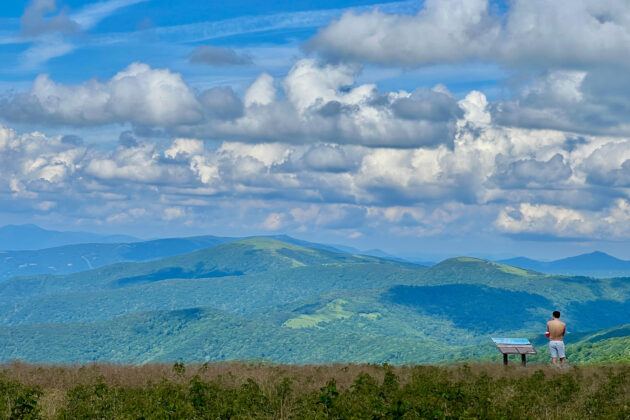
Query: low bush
{"x": 240, "y": 391}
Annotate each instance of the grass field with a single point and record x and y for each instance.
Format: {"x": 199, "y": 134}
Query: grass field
{"x": 339, "y": 391}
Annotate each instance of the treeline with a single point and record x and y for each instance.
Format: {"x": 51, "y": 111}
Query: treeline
{"x": 240, "y": 391}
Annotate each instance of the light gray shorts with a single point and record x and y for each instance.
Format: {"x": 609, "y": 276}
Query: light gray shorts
{"x": 556, "y": 348}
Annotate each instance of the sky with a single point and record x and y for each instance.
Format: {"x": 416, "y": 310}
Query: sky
{"x": 426, "y": 129}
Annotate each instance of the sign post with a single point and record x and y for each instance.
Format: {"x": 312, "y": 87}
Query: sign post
{"x": 520, "y": 346}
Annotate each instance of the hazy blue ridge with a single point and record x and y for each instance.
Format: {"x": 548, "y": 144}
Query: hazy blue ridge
{"x": 32, "y": 237}
{"x": 595, "y": 264}
{"x": 81, "y": 257}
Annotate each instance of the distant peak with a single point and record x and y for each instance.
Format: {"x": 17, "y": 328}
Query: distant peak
{"x": 595, "y": 254}
{"x": 598, "y": 254}
{"x": 266, "y": 242}
{"x": 467, "y": 259}
{"x": 460, "y": 260}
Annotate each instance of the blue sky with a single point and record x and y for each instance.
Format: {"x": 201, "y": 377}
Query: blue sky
{"x": 429, "y": 129}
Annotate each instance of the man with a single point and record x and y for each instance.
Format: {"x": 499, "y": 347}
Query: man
{"x": 556, "y": 330}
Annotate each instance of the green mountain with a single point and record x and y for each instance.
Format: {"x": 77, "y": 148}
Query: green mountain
{"x": 87, "y": 256}
{"x": 237, "y": 294}
{"x": 237, "y": 258}
{"x": 198, "y": 334}
{"x": 264, "y": 298}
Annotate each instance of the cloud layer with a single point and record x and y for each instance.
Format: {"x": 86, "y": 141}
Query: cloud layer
{"x": 518, "y": 181}
{"x": 320, "y": 103}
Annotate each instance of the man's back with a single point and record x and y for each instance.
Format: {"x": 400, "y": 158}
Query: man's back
{"x": 556, "y": 329}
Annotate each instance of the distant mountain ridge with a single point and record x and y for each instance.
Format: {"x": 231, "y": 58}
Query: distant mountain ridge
{"x": 32, "y": 237}
{"x": 236, "y": 258}
{"x": 80, "y": 257}
{"x": 595, "y": 264}
{"x": 74, "y": 258}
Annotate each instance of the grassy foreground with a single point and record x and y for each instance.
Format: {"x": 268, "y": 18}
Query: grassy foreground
{"x": 240, "y": 391}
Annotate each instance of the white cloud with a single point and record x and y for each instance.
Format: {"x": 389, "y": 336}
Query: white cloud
{"x": 267, "y": 153}
{"x": 556, "y": 34}
{"x": 323, "y": 103}
{"x": 172, "y": 213}
{"x": 184, "y": 147}
{"x": 609, "y": 164}
{"x": 261, "y": 92}
{"x": 273, "y": 222}
{"x": 609, "y": 223}
{"x": 137, "y": 94}
{"x": 308, "y": 84}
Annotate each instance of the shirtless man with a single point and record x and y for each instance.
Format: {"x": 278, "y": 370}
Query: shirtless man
{"x": 556, "y": 329}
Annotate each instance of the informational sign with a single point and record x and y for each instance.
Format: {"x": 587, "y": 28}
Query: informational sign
{"x": 508, "y": 346}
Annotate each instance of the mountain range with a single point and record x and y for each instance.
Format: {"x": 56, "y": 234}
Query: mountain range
{"x": 263, "y": 298}
{"x": 594, "y": 264}
{"x": 78, "y": 257}
{"x": 27, "y": 249}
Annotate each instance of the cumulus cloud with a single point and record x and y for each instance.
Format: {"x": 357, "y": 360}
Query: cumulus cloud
{"x": 219, "y": 56}
{"x": 609, "y": 165}
{"x": 184, "y": 147}
{"x": 545, "y": 220}
{"x": 556, "y": 34}
{"x": 137, "y": 94}
{"x": 141, "y": 164}
{"x": 221, "y": 103}
{"x": 34, "y": 164}
{"x": 531, "y": 173}
{"x": 261, "y": 92}
{"x": 321, "y": 103}
{"x": 586, "y": 102}
{"x": 327, "y": 158}
{"x": 428, "y": 104}
{"x": 451, "y": 30}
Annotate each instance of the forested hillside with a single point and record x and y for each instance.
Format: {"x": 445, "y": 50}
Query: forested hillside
{"x": 262, "y": 298}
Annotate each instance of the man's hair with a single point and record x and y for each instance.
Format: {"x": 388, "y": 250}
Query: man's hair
{"x": 556, "y": 314}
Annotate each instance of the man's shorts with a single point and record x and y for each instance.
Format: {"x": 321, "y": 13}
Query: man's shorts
{"x": 556, "y": 348}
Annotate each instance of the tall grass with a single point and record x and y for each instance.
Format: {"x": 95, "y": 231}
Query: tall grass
{"x": 343, "y": 391}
